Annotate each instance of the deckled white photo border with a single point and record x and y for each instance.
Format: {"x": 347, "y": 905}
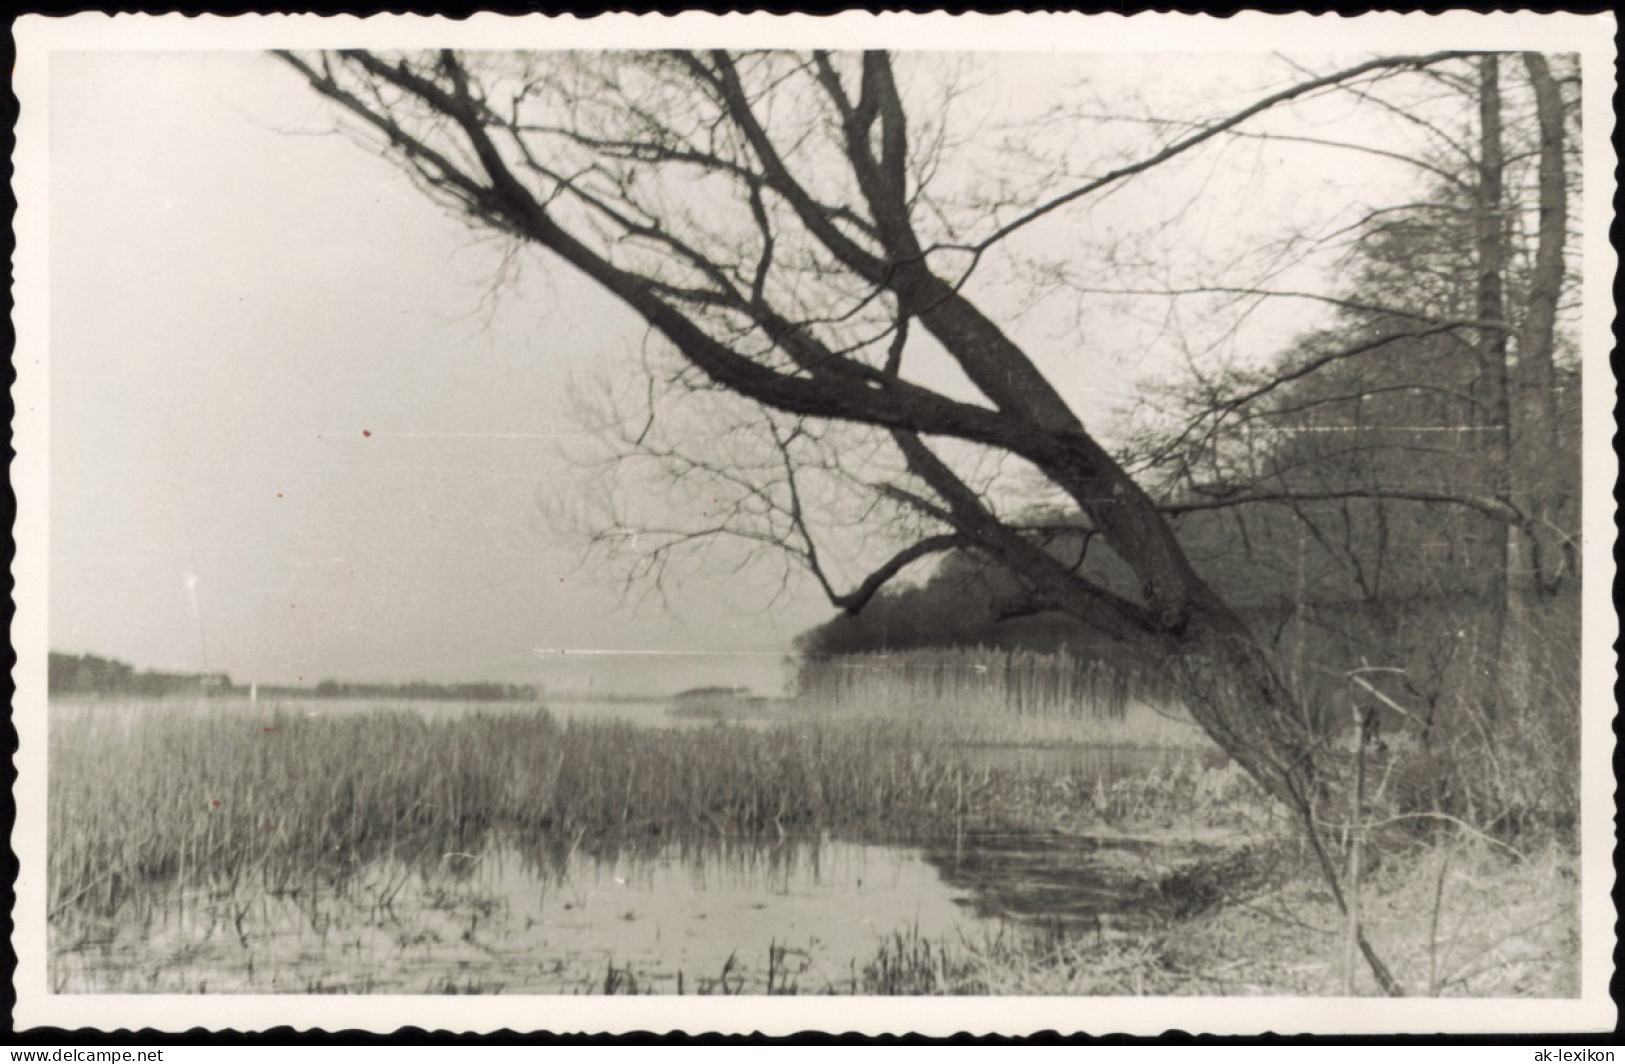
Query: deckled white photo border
{"x": 38, "y": 38}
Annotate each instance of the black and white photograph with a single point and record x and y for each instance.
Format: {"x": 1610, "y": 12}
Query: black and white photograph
{"x": 754, "y": 523}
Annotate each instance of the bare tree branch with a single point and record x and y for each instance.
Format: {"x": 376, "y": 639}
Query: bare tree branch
{"x": 1185, "y": 144}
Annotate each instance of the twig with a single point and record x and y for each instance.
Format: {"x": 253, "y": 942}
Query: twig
{"x": 1363, "y": 717}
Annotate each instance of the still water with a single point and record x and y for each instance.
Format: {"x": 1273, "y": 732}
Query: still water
{"x": 692, "y": 915}
{"x": 645, "y": 713}
{"x": 804, "y": 915}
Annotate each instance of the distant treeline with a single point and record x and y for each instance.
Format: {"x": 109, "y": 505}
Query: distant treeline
{"x": 417, "y": 689}
{"x": 711, "y": 694}
{"x": 88, "y": 674}
{"x": 1431, "y": 633}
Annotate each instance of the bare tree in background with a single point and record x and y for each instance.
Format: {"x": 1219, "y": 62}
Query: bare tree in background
{"x": 1423, "y": 442}
{"x": 775, "y": 218}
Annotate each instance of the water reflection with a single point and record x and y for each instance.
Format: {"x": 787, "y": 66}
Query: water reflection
{"x": 702, "y": 910}
{"x": 693, "y": 916}
{"x": 556, "y": 915}
{"x": 1053, "y": 879}
{"x": 690, "y": 916}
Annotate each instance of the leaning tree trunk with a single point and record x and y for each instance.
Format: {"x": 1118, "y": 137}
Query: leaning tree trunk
{"x": 1234, "y": 690}
{"x": 1228, "y": 680}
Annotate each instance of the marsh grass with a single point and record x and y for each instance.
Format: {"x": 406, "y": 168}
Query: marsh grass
{"x": 145, "y": 801}
{"x": 1020, "y": 683}
{"x": 188, "y": 824}
{"x": 998, "y": 697}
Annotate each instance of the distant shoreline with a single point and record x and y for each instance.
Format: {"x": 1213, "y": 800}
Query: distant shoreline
{"x": 85, "y": 675}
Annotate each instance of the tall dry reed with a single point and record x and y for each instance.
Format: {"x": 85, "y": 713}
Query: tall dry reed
{"x": 145, "y": 800}
{"x": 993, "y": 695}
{"x": 1022, "y": 682}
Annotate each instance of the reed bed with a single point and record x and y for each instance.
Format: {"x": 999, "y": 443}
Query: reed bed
{"x": 1141, "y": 726}
{"x": 992, "y": 695}
{"x": 1021, "y": 682}
{"x": 147, "y": 801}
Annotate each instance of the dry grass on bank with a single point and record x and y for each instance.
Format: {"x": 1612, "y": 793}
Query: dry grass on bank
{"x": 1454, "y": 918}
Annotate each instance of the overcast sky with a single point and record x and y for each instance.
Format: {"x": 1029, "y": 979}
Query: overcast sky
{"x": 294, "y": 436}
{"x": 234, "y": 308}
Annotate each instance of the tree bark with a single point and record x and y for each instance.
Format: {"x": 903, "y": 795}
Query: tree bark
{"x": 1543, "y": 483}
{"x": 1231, "y": 684}
{"x": 1505, "y": 671}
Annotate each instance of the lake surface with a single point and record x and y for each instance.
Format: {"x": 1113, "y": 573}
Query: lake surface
{"x": 691, "y": 915}
{"x": 804, "y": 915}
{"x": 648, "y": 713}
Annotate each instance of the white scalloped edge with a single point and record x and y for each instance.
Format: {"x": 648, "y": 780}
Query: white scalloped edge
{"x": 38, "y": 37}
